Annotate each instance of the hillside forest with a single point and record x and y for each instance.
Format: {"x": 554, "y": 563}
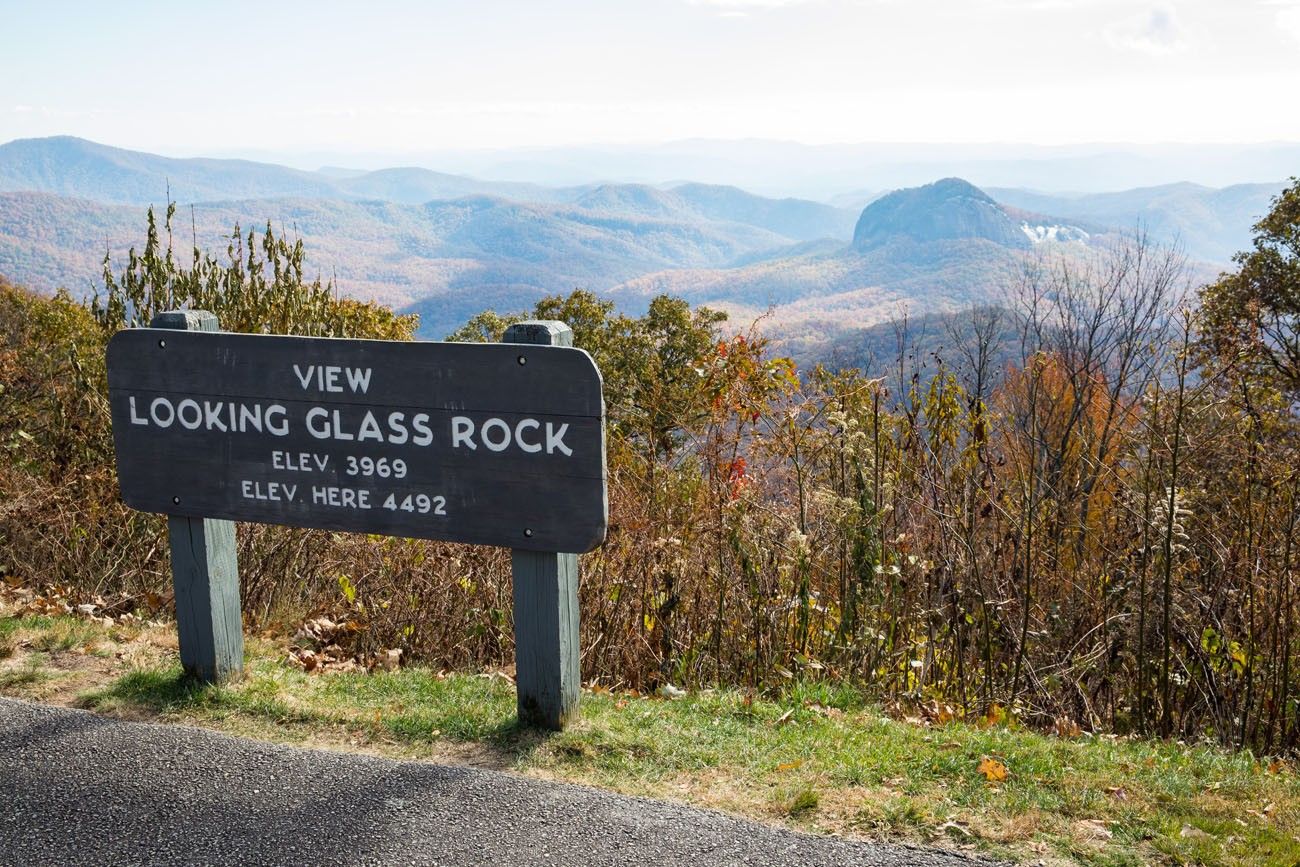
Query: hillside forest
{"x": 1077, "y": 510}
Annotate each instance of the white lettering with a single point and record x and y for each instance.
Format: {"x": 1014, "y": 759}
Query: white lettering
{"x": 370, "y": 429}
{"x": 135, "y": 419}
{"x": 398, "y": 428}
{"x": 344, "y": 498}
{"x": 247, "y": 415}
{"x": 505, "y": 430}
{"x": 165, "y": 404}
{"x": 270, "y": 491}
{"x": 280, "y": 428}
{"x": 338, "y": 426}
{"x": 212, "y": 416}
{"x": 462, "y": 431}
{"x": 423, "y": 434}
{"x": 304, "y": 378}
{"x": 359, "y": 379}
{"x": 555, "y": 439}
{"x": 301, "y": 462}
{"x": 319, "y": 432}
{"x": 197, "y": 421}
{"x": 531, "y": 424}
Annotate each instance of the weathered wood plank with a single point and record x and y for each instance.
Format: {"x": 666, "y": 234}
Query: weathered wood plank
{"x": 486, "y": 377}
{"x": 497, "y": 445}
{"x": 205, "y": 571}
{"x": 547, "y": 664}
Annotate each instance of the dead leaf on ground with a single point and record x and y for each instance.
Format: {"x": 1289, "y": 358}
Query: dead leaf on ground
{"x": 1189, "y": 833}
{"x": 938, "y": 713}
{"x": 303, "y": 657}
{"x": 1264, "y": 814}
{"x": 785, "y": 717}
{"x": 993, "y": 770}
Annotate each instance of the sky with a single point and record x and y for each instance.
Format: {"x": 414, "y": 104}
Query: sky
{"x": 392, "y": 76}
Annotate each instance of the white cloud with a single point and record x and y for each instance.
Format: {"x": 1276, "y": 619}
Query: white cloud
{"x": 1157, "y": 32}
{"x": 1288, "y": 20}
{"x": 1042, "y": 5}
{"x": 749, "y": 4}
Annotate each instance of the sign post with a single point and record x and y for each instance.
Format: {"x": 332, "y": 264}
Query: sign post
{"x": 205, "y": 572}
{"x": 490, "y": 444}
{"x": 547, "y": 670}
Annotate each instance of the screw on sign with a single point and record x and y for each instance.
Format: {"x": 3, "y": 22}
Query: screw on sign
{"x": 475, "y": 443}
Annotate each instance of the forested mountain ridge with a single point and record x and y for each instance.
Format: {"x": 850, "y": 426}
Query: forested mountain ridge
{"x": 948, "y": 209}
{"x": 74, "y": 167}
{"x": 448, "y": 246}
{"x": 927, "y": 250}
{"x": 1212, "y": 224}
{"x": 77, "y": 168}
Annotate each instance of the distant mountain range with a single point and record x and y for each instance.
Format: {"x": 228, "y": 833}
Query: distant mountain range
{"x": 846, "y": 173}
{"x": 932, "y": 249}
{"x": 1211, "y": 224}
{"x": 448, "y": 246}
{"x": 83, "y": 169}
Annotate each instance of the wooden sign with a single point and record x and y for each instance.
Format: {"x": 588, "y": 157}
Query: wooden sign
{"x": 492, "y": 444}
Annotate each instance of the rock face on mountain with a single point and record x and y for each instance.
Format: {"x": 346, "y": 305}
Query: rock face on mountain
{"x": 947, "y": 210}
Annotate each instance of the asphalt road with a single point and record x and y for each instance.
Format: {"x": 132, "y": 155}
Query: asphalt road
{"x": 76, "y": 788}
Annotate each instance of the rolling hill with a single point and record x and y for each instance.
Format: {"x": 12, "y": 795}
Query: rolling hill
{"x": 449, "y": 259}
{"x": 77, "y": 168}
{"x": 1211, "y": 224}
{"x": 927, "y": 250}
{"x": 448, "y": 246}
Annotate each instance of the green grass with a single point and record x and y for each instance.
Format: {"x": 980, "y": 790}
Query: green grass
{"x": 30, "y": 673}
{"x": 819, "y": 759}
{"x": 55, "y": 635}
{"x": 853, "y": 771}
{"x": 11, "y": 626}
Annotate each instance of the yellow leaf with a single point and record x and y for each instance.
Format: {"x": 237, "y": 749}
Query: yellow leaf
{"x": 993, "y": 770}
{"x": 789, "y": 766}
